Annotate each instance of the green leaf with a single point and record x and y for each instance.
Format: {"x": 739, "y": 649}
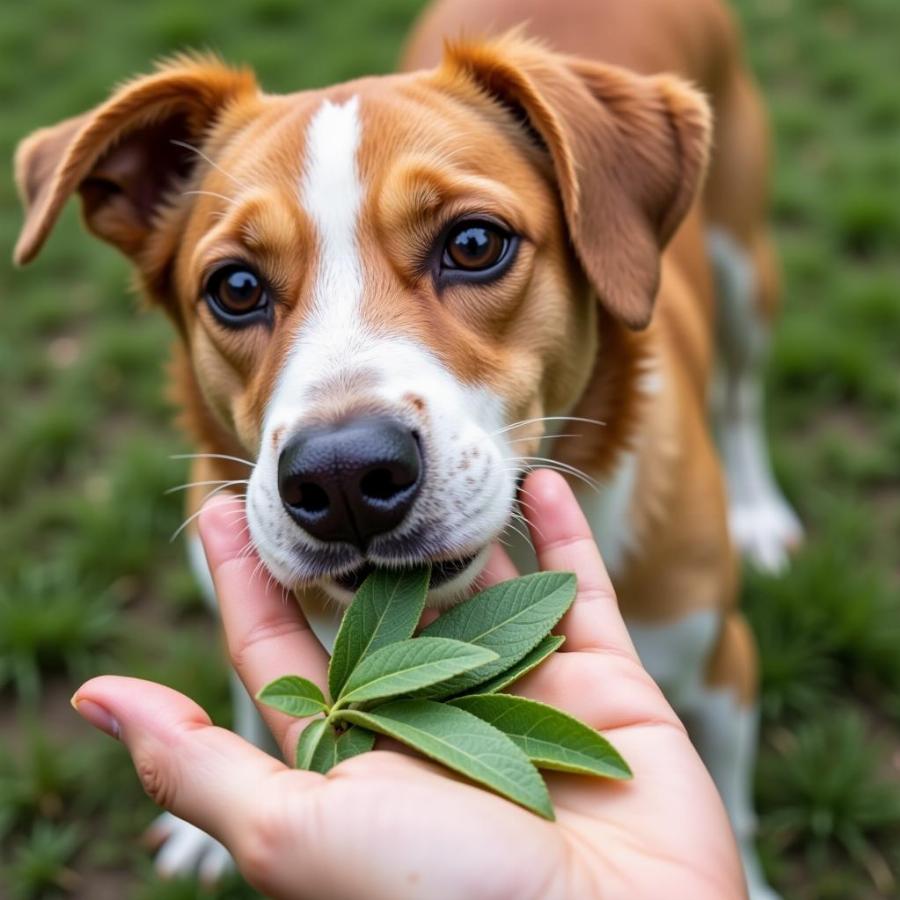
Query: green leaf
{"x": 531, "y": 660}
{"x": 387, "y": 608}
{"x": 462, "y": 742}
{"x": 293, "y": 695}
{"x": 508, "y": 618}
{"x": 407, "y": 666}
{"x": 551, "y": 739}
{"x": 354, "y": 741}
{"x": 314, "y": 734}
{"x": 321, "y": 748}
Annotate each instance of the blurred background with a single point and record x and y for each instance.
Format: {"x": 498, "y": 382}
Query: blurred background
{"x": 90, "y": 583}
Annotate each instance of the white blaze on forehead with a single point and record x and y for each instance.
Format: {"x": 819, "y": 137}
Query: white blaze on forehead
{"x": 331, "y": 193}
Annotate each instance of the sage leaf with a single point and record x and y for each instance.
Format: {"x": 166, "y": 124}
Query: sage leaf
{"x": 293, "y": 695}
{"x": 462, "y": 742}
{"x": 409, "y": 665}
{"x": 314, "y": 734}
{"x": 529, "y": 661}
{"x": 550, "y": 738}
{"x": 509, "y": 618}
{"x": 321, "y": 748}
{"x": 387, "y": 608}
{"x": 353, "y": 741}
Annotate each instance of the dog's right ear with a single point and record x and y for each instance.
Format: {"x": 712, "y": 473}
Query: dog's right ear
{"x": 123, "y": 156}
{"x": 628, "y": 152}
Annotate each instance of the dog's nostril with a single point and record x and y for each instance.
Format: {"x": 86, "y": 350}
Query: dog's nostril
{"x": 352, "y": 480}
{"x": 306, "y": 496}
{"x": 383, "y": 484}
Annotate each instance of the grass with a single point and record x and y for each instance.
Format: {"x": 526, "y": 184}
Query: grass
{"x": 89, "y": 582}
{"x": 829, "y": 804}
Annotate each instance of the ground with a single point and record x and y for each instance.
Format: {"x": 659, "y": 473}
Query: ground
{"x": 90, "y": 583}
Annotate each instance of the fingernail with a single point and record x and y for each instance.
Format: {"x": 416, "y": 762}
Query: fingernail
{"x": 99, "y": 717}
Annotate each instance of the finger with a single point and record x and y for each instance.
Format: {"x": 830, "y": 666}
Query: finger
{"x": 630, "y": 696}
{"x": 266, "y": 632}
{"x": 201, "y": 773}
{"x": 564, "y": 540}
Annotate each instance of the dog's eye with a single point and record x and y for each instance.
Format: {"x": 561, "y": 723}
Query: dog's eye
{"x": 236, "y": 295}
{"x": 481, "y": 249}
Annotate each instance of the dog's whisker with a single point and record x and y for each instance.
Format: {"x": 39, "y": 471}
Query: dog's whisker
{"x": 522, "y": 517}
{"x": 256, "y": 570}
{"x": 525, "y": 503}
{"x": 543, "y": 460}
{"x": 241, "y": 534}
{"x": 236, "y": 459}
{"x": 222, "y": 487}
{"x": 544, "y": 437}
{"x": 234, "y": 515}
{"x": 532, "y": 526}
{"x": 229, "y": 200}
{"x": 581, "y": 478}
{"x": 191, "y": 484}
{"x": 550, "y": 464}
{"x": 215, "y": 165}
{"x": 273, "y": 583}
{"x": 248, "y": 550}
{"x": 523, "y": 491}
{"x": 194, "y": 515}
{"x": 512, "y": 524}
{"x": 524, "y": 422}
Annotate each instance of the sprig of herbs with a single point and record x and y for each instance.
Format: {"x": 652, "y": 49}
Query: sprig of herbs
{"x": 439, "y": 692}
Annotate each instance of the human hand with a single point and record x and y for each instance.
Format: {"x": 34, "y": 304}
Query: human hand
{"x": 387, "y": 824}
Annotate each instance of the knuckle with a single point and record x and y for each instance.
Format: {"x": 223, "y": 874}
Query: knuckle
{"x": 257, "y": 852}
{"x": 242, "y": 646}
{"x": 592, "y": 592}
{"x": 567, "y": 542}
{"x": 155, "y": 778}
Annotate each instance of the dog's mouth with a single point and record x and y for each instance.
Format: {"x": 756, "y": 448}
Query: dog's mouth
{"x": 442, "y": 572}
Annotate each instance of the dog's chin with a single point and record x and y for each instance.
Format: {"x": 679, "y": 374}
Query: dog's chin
{"x": 450, "y": 582}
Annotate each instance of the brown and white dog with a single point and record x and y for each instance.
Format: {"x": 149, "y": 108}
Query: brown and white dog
{"x": 395, "y": 296}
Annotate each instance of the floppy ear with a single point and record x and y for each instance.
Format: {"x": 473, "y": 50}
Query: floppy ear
{"x": 122, "y": 156}
{"x": 629, "y": 153}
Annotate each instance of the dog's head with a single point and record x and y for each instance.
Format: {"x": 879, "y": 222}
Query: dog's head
{"x": 376, "y": 283}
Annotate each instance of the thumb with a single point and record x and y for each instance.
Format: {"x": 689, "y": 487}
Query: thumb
{"x": 199, "y": 772}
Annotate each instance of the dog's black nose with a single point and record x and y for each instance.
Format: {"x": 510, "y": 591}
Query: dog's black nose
{"x": 351, "y": 481}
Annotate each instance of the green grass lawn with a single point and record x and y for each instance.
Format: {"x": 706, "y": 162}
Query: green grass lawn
{"x": 90, "y": 583}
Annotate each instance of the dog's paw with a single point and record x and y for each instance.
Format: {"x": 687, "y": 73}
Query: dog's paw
{"x": 183, "y": 850}
{"x": 766, "y": 531}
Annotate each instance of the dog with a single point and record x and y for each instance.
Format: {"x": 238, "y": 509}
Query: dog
{"x": 394, "y": 297}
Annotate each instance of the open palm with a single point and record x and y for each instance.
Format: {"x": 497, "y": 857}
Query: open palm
{"x": 387, "y": 824}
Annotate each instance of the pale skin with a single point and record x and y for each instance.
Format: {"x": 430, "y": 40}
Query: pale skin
{"x": 390, "y": 825}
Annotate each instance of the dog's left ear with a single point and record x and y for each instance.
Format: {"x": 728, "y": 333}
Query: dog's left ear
{"x": 629, "y": 153}
{"x": 123, "y": 156}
